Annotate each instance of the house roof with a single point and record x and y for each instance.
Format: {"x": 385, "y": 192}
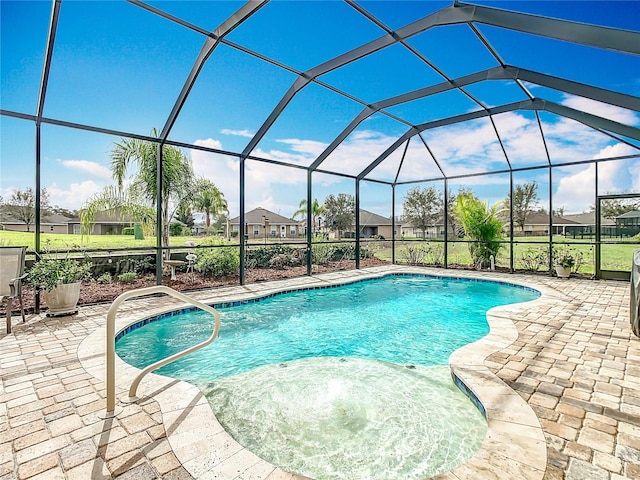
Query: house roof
{"x": 631, "y": 214}
{"x": 52, "y": 219}
{"x": 113, "y": 216}
{"x": 536, "y": 218}
{"x": 256, "y": 217}
{"x": 588, "y": 218}
{"x": 370, "y": 218}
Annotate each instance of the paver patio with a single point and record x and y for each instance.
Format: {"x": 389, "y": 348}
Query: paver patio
{"x": 575, "y": 362}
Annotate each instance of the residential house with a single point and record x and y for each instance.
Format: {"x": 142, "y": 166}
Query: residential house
{"x": 263, "y": 223}
{"x": 109, "y": 222}
{"x": 53, "y": 223}
{"x": 537, "y": 224}
{"x": 374, "y": 225}
{"x": 628, "y": 224}
{"x": 585, "y": 224}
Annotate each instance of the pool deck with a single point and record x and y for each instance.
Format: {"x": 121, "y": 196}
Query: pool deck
{"x": 559, "y": 378}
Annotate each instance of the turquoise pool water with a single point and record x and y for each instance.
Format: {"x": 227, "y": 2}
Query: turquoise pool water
{"x": 346, "y": 383}
{"x": 400, "y": 319}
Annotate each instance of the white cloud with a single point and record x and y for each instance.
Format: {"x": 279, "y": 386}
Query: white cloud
{"x": 604, "y": 110}
{"x": 266, "y": 185}
{"x": 461, "y": 149}
{"x": 91, "y": 168}
{"x": 239, "y": 133}
{"x": 74, "y": 196}
{"x": 576, "y": 191}
{"x": 634, "y": 170}
{"x": 358, "y": 151}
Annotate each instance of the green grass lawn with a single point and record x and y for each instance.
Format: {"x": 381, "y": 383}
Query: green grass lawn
{"x": 60, "y": 241}
{"x": 614, "y": 256}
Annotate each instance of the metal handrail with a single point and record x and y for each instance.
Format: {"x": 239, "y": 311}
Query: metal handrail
{"x": 111, "y": 340}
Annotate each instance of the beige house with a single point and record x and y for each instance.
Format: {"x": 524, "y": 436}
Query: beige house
{"x": 374, "y": 225}
{"x": 537, "y": 224}
{"x": 263, "y": 223}
{"x": 105, "y": 223}
{"x": 585, "y": 224}
{"x": 53, "y": 223}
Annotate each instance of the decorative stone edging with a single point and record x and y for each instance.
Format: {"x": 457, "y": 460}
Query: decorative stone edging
{"x": 514, "y": 446}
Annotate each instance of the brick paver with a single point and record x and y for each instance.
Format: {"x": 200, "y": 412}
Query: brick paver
{"x": 575, "y": 362}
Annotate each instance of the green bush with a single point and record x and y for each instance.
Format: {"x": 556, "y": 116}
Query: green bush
{"x": 128, "y": 231}
{"x": 128, "y": 277}
{"x": 482, "y": 226}
{"x": 135, "y": 264}
{"x": 176, "y": 229}
{"x": 48, "y": 273}
{"x": 323, "y": 253}
{"x": 275, "y": 255}
{"x": 218, "y": 262}
{"x": 423, "y": 254}
{"x": 104, "y": 279}
{"x": 533, "y": 258}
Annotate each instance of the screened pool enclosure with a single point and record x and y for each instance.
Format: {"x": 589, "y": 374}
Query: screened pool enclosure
{"x": 365, "y": 125}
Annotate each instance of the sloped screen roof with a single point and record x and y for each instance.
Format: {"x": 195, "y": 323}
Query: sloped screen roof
{"x": 393, "y": 92}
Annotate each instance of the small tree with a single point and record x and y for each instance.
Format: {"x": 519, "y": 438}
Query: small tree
{"x": 339, "y": 212}
{"x": 22, "y": 205}
{"x": 613, "y": 207}
{"x": 184, "y": 214}
{"x": 209, "y": 199}
{"x": 316, "y": 211}
{"x": 452, "y": 220}
{"x": 525, "y": 198}
{"x": 481, "y": 226}
{"x": 422, "y": 207}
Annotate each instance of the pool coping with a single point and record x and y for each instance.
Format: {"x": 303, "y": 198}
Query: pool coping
{"x": 514, "y": 446}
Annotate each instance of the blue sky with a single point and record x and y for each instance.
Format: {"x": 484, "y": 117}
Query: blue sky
{"x": 120, "y": 67}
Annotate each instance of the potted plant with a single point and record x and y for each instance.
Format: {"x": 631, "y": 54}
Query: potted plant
{"x": 565, "y": 261}
{"x": 59, "y": 279}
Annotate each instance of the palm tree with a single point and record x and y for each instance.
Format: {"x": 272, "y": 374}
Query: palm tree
{"x": 209, "y": 199}
{"x": 316, "y": 211}
{"x": 137, "y": 195}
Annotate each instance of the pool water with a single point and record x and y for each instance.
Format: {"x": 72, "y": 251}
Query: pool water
{"x": 331, "y": 418}
{"x": 339, "y": 383}
{"x": 399, "y": 319}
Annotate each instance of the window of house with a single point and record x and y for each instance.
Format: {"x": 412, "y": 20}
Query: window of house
{"x": 256, "y": 229}
{"x": 274, "y": 231}
{"x": 292, "y": 231}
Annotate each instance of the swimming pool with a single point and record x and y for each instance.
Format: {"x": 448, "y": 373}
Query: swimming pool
{"x": 335, "y": 351}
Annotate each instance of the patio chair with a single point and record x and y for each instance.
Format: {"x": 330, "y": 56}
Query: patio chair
{"x": 11, "y": 276}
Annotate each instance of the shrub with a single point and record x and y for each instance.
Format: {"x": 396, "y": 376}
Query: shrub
{"x": 128, "y": 231}
{"x": 48, "y": 273}
{"x": 275, "y": 255}
{"x": 127, "y": 277}
{"x": 421, "y": 254}
{"x": 234, "y": 234}
{"x": 534, "y": 258}
{"x": 482, "y": 226}
{"x": 137, "y": 265}
{"x": 324, "y": 253}
{"x": 218, "y": 261}
{"x": 175, "y": 229}
{"x": 104, "y": 279}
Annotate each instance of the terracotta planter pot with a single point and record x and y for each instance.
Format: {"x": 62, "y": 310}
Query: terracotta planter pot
{"x": 63, "y": 299}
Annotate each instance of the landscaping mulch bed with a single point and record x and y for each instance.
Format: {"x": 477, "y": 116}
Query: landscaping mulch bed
{"x": 93, "y": 292}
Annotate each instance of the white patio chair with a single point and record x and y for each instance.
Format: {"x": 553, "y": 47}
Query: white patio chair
{"x": 11, "y": 276}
